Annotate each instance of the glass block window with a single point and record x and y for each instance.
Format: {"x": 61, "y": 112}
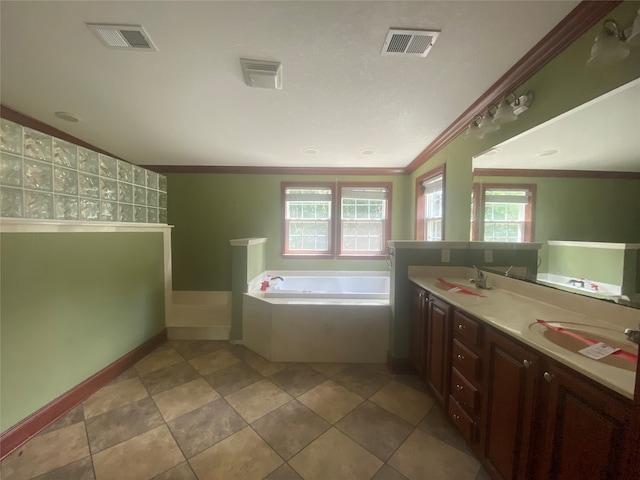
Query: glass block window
{"x": 363, "y": 219}
{"x": 46, "y": 178}
{"x": 307, "y": 219}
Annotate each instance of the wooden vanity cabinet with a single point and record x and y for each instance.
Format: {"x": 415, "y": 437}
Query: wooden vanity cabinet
{"x": 511, "y": 381}
{"x": 466, "y": 382}
{"x": 418, "y": 317}
{"x": 438, "y": 345}
{"x": 525, "y": 416}
{"x": 585, "y": 430}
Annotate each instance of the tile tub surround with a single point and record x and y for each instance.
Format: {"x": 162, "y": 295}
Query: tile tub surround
{"x": 513, "y": 306}
{"x": 44, "y": 177}
{"x": 322, "y": 421}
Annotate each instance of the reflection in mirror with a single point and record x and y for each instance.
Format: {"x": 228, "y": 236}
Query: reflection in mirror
{"x": 580, "y": 176}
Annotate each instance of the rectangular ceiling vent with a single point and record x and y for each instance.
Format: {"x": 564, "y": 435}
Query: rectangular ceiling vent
{"x": 261, "y": 73}
{"x": 409, "y": 42}
{"x": 123, "y": 37}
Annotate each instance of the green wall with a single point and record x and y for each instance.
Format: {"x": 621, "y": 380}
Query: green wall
{"x": 208, "y": 210}
{"x": 72, "y": 303}
{"x": 596, "y": 264}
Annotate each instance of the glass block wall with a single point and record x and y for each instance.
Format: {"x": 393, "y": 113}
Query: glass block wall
{"x": 44, "y": 177}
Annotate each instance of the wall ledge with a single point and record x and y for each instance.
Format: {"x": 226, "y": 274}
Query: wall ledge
{"x": 244, "y": 242}
{"x": 22, "y": 225}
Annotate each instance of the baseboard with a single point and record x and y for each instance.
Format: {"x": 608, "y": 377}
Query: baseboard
{"x": 20, "y": 433}
{"x": 399, "y": 366}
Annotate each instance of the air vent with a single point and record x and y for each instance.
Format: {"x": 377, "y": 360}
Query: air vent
{"x": 409, "y": 42}
{"x": 123, "y": 37}
{"x": 261, "y": 73}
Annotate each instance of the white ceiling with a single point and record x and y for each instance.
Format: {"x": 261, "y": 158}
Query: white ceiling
{"x": 601, "y": 135}
{"x": 187, "y": 103}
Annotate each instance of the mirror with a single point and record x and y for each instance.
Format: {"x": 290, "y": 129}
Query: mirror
{"x": 584, "y": 169}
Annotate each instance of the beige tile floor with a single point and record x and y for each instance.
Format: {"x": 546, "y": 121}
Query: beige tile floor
{"x": 210, "y": 410}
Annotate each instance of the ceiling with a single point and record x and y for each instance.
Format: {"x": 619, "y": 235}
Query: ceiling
{"x": 601, "y": 135}
{"x": 187, "y": 103}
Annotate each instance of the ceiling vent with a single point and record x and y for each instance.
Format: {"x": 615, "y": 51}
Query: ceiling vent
{"x": 262, "y": 74}
{"x": 123, "y": 37}
{"x": 409, "y": 42}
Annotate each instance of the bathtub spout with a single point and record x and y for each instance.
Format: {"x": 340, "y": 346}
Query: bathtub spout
{"x": 279, "y": 278}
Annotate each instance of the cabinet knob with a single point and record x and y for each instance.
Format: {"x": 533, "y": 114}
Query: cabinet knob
{"x": 459, "y": 387}
{"x": 460, "y": 356}
{"x": 547, "y": 376}
{"x": 527, "y": 363}
{"x": 460, "y": 327}
{"x": 456, "y": 417}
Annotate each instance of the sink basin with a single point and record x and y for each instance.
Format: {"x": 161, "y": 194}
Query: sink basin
{"x": 611, "y": 337}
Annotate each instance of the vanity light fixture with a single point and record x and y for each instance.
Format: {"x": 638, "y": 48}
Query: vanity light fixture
{"x": 613, "y": 43}
{"x": 473, "y": 131}
{"x": 487, "y": 124}
{"x": 505, "y": 111}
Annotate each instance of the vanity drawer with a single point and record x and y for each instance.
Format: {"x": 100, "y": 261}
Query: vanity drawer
{"x": 465, "y": 361}
{"x": 464, "y": 392}
{"x": 465, "y": 425}
{"x": 467, "y": 329}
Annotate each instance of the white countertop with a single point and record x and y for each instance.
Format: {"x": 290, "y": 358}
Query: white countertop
{"x": 513, "y": 307}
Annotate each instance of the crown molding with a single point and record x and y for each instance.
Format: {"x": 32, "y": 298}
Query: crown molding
{"x": 573, "y": 26}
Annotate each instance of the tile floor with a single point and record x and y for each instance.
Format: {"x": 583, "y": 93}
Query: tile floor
{"x": 210, "y": 410}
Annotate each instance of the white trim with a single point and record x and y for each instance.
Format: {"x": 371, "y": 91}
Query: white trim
{"x": 244, "y": 242}
{"x": 419, "y": 245}
{"x": 610, "y": 246}
{"x": 22, "y": 225}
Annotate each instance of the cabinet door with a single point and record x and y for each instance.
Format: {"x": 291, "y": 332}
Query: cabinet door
{"x": 417, "y": 314}
{"x": 585, "y": 429}
{"x": 438, "y": 347}
{"x": 511, "y": 380}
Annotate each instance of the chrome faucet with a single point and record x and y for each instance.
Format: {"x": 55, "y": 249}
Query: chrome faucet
{"x": 481, "y": 279}
{"x": 633, "y": 335}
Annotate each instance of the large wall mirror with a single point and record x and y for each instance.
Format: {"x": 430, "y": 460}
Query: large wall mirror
{"x": 572, "y": 184}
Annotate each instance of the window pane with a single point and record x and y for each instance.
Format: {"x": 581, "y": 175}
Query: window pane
{"x": 432, "y": 191}
{"x": 363, "y": 212}
{"x": 308, "y": 210}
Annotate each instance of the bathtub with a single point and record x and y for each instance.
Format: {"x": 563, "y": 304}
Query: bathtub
{"x": 328, "y": 317}
{"x": 332, "y": 286}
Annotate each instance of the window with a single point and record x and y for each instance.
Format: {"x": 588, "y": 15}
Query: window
{"x": 360, "y": 224}
{"x": 307, "y": 219}
{"x": 363, "y": 219}
{"x": 430, "y": 206}
{"x": 503, "y": 213}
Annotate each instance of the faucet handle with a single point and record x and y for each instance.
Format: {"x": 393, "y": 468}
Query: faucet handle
{"x": 479, "y": 272}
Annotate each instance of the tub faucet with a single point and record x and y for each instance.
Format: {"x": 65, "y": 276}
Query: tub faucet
{"x": 481, "y": 279}
{"x": 633, "y": 335}
{"x": 278, "y": 278}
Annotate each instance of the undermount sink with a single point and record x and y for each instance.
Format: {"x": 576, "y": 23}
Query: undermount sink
{"x": 613, "y": 338}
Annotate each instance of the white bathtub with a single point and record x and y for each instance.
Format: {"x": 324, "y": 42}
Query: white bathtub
{"x": 332, "y": 286}
{"x": 319, "y": 317}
